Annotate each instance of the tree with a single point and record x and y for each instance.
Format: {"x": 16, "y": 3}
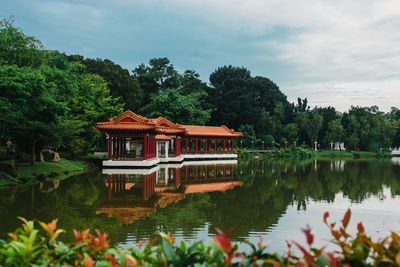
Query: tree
{"x": 314, "y": 126}
{"x": 335, "y": 131}
{"x": 30, "y": 109}
{"x": 290, "y": 132}
{"x": 158, "y": 76}
{"x": 122, "y": 85}
{"x": 183, "y": 109}
{"x": 18, "y": 48}
{"x": 249, "y": 136}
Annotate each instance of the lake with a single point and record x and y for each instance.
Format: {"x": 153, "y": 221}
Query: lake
{"x": 274, "y": 198}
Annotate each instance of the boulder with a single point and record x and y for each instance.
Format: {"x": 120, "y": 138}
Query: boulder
{"x": 49, "y": 155}
{"x": 8, "y": 166}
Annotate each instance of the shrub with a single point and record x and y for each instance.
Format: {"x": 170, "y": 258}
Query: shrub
{"x": 28, "y": 248}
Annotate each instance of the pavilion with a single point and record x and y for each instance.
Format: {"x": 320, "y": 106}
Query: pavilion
{"x": 134, "y": 140}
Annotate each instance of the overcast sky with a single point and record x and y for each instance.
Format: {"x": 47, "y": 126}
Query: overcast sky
{"x": 334, "y": 52}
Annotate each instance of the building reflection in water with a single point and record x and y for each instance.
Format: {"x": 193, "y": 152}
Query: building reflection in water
{"x": 135, "y": 193}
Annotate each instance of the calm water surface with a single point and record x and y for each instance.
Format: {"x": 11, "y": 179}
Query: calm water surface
{"x": 273, "y": 198}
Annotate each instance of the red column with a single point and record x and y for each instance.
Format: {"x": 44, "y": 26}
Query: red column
{"x": 145, "y": 147}
{"x": 110, "y": 147}
{"x": 205, "y": 172}
{"x": 232, "y": 171}
{"x": 223, "y": 172}
{"x": 185, "y": 173}
{"x": 186, "y": 145}
{"x": 197, "y": 150}
{"x": 215, "y": 171}
{"x": 205, "y": 152}
{"x": 215, "y": 146}
{"x": 117, "y": 150}
{"x": 177, "y": 146}
{"x": 109, "y": 187}
{"x": 224, "y": 146}
{"x": 232, "y": 144}
{"x": 195, "y": 177}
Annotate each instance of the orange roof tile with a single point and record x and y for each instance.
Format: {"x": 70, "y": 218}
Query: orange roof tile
{"x": 217, "y": 131}
{"x": 130, "y": 121}
{"x": 162, "y": 137}
{"x": 127, "y": 121}
{"x": 124, "y": 126}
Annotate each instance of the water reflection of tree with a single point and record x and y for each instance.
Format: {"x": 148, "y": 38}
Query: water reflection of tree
{"x": 71, "y": 203}
{"x": 269, "y": 187}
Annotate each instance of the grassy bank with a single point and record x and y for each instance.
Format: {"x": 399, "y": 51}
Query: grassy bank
{"x": 40, "y": 171}
{"x": 328, "y": 154}
{"x": 302, "y": 153}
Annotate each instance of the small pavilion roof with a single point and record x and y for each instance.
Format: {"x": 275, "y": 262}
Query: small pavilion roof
{"x": 217, "y": 131}
{"x": 127, "y": 121}
{"x": 162, "y": 137}
{"x": 167, "y": 127}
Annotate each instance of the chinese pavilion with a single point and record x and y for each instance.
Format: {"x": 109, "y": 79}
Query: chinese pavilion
{"x": 134, "y": 140}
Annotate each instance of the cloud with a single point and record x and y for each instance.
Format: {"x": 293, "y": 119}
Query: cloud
{"x": 309, "y": 47}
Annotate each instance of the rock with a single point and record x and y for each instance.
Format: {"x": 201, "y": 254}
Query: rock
{"x": 256, "y": 157}
{"x": 49, "y": 155}
{"x": 8, "y": 166}
{"x": 49, "y": 186}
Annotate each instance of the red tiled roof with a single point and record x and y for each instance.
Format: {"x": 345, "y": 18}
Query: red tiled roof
{"x": 124, "y": 126}
{"x": 165, "y": 126}
{"x": 217, "y": 131}
{"x": 162, "y": 137}
{"x": 129, "y": 121}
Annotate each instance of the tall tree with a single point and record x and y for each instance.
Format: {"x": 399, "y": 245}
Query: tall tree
{"x": 121, "y": 83}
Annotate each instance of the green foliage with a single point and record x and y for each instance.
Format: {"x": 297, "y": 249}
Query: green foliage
{"x": 249, "y": 137}
{"x": 295, "y": 153}
{"x": 123, "y": 86}
{"x": 177, "y": 107}
{"x": 46, "y": 101}
{"x": 28, "y": 247}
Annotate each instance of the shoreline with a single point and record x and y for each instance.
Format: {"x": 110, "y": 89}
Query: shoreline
{"x": 42, "y": 171}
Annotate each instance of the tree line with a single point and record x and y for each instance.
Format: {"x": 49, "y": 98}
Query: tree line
{"x": 50, "y": 99}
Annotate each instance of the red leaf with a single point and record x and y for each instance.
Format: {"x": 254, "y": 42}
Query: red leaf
{"x": 336, "y": 234}
{"x": 223, "y": 242}
{"x": 360, "y": 228}
{"x": 326, "y": 215}
{"x": 131, "y": 260}
{"x": 112, "y": 260}
{"x": 88, "y": 261}
{"x": 309, "y": 236}
{"x": 307, "y": 255}
{"x": 346, "y": 218}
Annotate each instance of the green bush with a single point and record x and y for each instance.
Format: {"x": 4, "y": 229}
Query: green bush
{"x": 27, "y": 247}
{"x": 78, "y": 147}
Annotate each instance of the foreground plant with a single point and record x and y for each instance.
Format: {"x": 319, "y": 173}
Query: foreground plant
{"x": 28, "y": 248}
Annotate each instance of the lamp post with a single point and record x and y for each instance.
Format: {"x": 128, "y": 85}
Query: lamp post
{"x": 252, "y": 146}
{"x": 241, "y": 144}
{"x": 262, "y": 145}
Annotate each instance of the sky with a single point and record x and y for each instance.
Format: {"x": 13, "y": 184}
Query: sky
{"x": 333, "y": 52}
